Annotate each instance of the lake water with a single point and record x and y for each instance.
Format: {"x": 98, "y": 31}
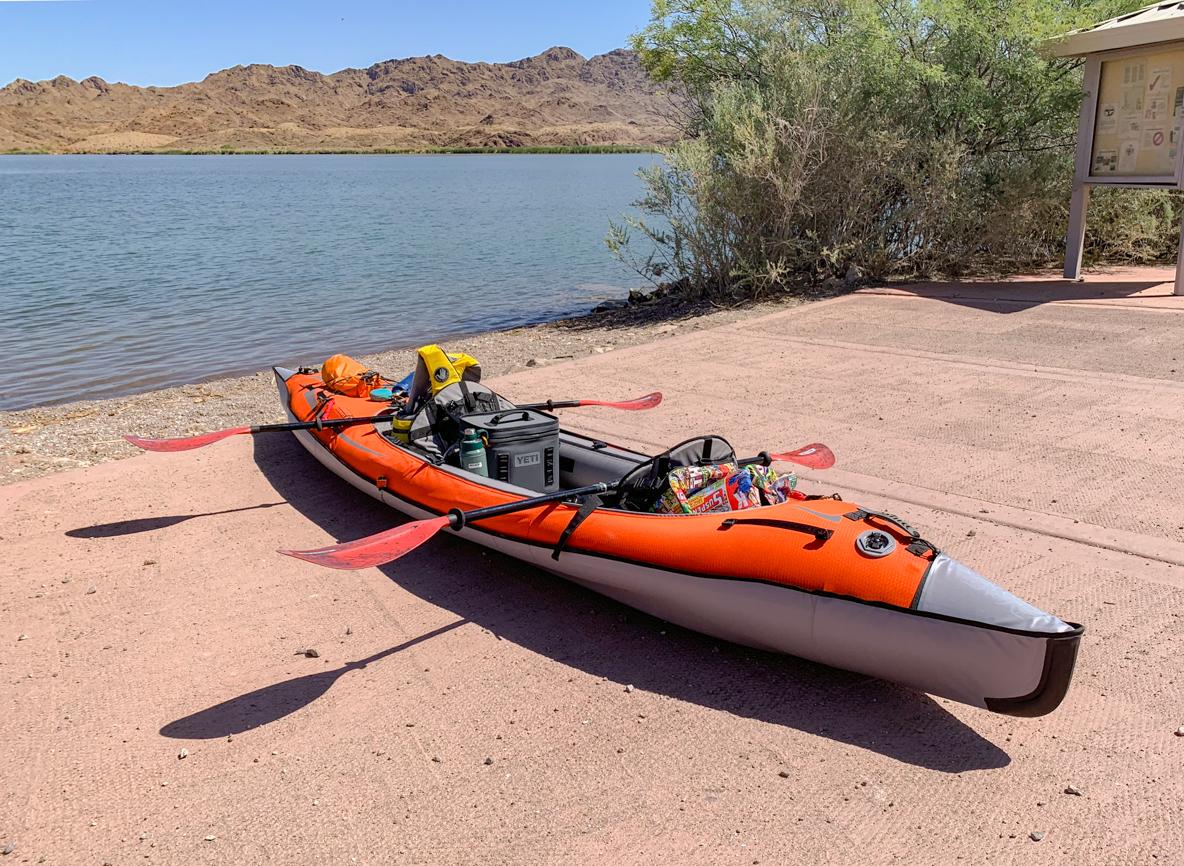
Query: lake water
{"x": 125, "y": 273}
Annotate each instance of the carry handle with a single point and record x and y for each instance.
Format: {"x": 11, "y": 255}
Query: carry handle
{"x": 496, "y": 419}
{"x": 819, "y": 533}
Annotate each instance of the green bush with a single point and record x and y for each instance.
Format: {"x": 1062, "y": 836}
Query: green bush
{"x": 908, "y": 138}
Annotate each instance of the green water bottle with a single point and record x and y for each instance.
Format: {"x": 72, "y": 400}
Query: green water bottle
{"x": 472, "y": 453}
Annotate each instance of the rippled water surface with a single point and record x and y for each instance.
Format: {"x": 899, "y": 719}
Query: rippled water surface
{"x": 124, "y": 273}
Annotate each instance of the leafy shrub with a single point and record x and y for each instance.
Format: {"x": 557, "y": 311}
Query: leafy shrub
{"x": 908, "y": 138}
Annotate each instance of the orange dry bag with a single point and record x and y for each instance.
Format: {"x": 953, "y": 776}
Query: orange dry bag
{"x": 343, "y": 375}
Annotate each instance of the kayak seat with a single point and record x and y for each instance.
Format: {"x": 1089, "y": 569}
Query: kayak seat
{"x": 643, "y": 486}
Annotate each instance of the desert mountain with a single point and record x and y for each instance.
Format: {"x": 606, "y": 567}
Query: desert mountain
{"x": 554, "y": 98}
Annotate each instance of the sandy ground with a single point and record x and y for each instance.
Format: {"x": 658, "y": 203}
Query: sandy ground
{"x": 464, "y": 709}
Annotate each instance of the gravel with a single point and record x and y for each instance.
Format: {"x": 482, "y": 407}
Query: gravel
{"x": 47, "y": 439}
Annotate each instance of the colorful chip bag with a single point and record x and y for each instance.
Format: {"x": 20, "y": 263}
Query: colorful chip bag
{"x": 706, "y": 489}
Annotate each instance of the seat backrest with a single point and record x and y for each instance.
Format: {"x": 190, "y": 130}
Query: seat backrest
{"x": 644, "y": 486}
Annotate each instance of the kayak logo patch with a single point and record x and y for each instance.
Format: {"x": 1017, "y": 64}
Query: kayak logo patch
{"x": 534, "y": 458}
{"x": 441, "y": 374}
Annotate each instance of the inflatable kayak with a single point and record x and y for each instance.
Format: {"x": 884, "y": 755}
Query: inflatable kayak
{"x": 821, "y": 578}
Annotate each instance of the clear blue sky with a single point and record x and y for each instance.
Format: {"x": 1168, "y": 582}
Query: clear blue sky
{"x": 167, "y": 42}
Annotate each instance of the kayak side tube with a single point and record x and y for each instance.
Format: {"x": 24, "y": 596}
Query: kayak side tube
{"x": 1007, "y": 670}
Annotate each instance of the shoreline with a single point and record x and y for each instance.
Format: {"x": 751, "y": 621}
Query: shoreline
{"x": 558, "y": 149}
{"x": 43, "y": 440}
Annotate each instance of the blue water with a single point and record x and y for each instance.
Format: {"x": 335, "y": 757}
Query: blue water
{"x": 124, "y": 273}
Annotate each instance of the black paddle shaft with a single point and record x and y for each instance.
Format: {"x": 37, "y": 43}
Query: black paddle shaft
{"x": 324, "y": 422}
{"x": 374, "y": 419}
{"x": 459, "y": 518}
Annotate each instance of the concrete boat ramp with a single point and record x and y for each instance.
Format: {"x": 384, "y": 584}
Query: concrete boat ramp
{"x": 157, "y": 704}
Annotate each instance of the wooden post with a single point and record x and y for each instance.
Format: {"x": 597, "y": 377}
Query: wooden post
{"x": 1075, "y": 237}
{"x": 1179, "y": 290}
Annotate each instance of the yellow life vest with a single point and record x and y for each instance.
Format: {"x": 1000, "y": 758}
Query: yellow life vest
{"x": 437, "y": 369}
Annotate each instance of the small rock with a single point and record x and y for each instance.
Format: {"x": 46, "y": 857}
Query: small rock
{"x": 210, "y": 838}
{"x": 971, "y": 534}
{"x": 1073, "y": 789}
{"x": 854, "y": 275}
{"x": 608, "y": 306}
{"x": 92, "y": 590}
{"x": 1180, "y": 731}
{"x": 22, "y": 637}
{"x": 150, "y": 562}
{"x": 1036, "y": 835}
{"x": 310, "y": 653}
{"x": 629, "y": 688}
{"x": 488, "y": 761}
{"x": 7, "y": 849}
{"x": 66, "y": 579}
{"x": 184, "y": 753}
{"x": 316, "y": 802}
{"x": 435, "y": 759}
{"x": 533, "y": 362}
{"x": 348, "y": 630}
{"x": 143, "y": 836}
{"x": 784, "y": 774}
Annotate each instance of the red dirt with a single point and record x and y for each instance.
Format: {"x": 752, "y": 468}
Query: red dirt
{"x": 1037, "y": 439}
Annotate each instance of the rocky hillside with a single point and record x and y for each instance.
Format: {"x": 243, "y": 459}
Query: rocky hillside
{"x": 554, "y": 98}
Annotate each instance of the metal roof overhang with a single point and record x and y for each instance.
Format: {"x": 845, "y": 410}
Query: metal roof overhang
{"x": 1159, "y": 22}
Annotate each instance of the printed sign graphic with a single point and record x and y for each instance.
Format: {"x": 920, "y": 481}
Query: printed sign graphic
{"x": 1134, "y": 132}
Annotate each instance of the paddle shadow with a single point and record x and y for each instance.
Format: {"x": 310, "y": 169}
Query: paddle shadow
{"x": 270, "y": 703}
{"x": 603, "y": 638}
{"x": 147, "y": 524}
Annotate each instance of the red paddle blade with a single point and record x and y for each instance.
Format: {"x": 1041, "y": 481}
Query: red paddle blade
{"x": 185, "y": 443}
{"x": 374, "y": 549}
{"x": 649, "y": 401}
{"x": 814, "y": 456}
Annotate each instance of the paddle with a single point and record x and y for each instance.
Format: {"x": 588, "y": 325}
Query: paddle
{"x": 649, "y": 401}
{"x": 382, "y": 547}
{"x": 390, "y": 544}
{"x": 186, "y": 443}
{"x": 813, "y": 456}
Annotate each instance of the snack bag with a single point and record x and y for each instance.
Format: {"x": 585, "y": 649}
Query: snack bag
{"x": 774, "y": 488}
{"x": 704, "y": 489}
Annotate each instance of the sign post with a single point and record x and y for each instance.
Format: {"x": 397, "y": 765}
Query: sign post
{"x": 1131, "y": 128}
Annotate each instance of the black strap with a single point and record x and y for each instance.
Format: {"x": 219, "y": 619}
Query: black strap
{"x": 587, "y": 505}
{"x": 464, "y": 390}
{"x": 864, "y": 513}
{"x": 817, "y": 531}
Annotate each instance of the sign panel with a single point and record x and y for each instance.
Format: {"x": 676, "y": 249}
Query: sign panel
{"x": 1137, "y": 119}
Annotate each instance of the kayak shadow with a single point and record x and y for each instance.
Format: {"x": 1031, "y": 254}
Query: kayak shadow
{"x": 271, "y": 703}
{"x": 601, "y": 637}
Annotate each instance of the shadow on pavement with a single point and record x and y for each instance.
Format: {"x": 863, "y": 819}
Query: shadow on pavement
{"x": 273, "y": 702}
{"x": 147, "y": 524}
{"x": 1013, "y": 296}
{"x": 598, "y": 636}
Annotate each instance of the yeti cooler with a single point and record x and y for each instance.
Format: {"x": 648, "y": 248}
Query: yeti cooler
{"x": 522, "y": 447}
